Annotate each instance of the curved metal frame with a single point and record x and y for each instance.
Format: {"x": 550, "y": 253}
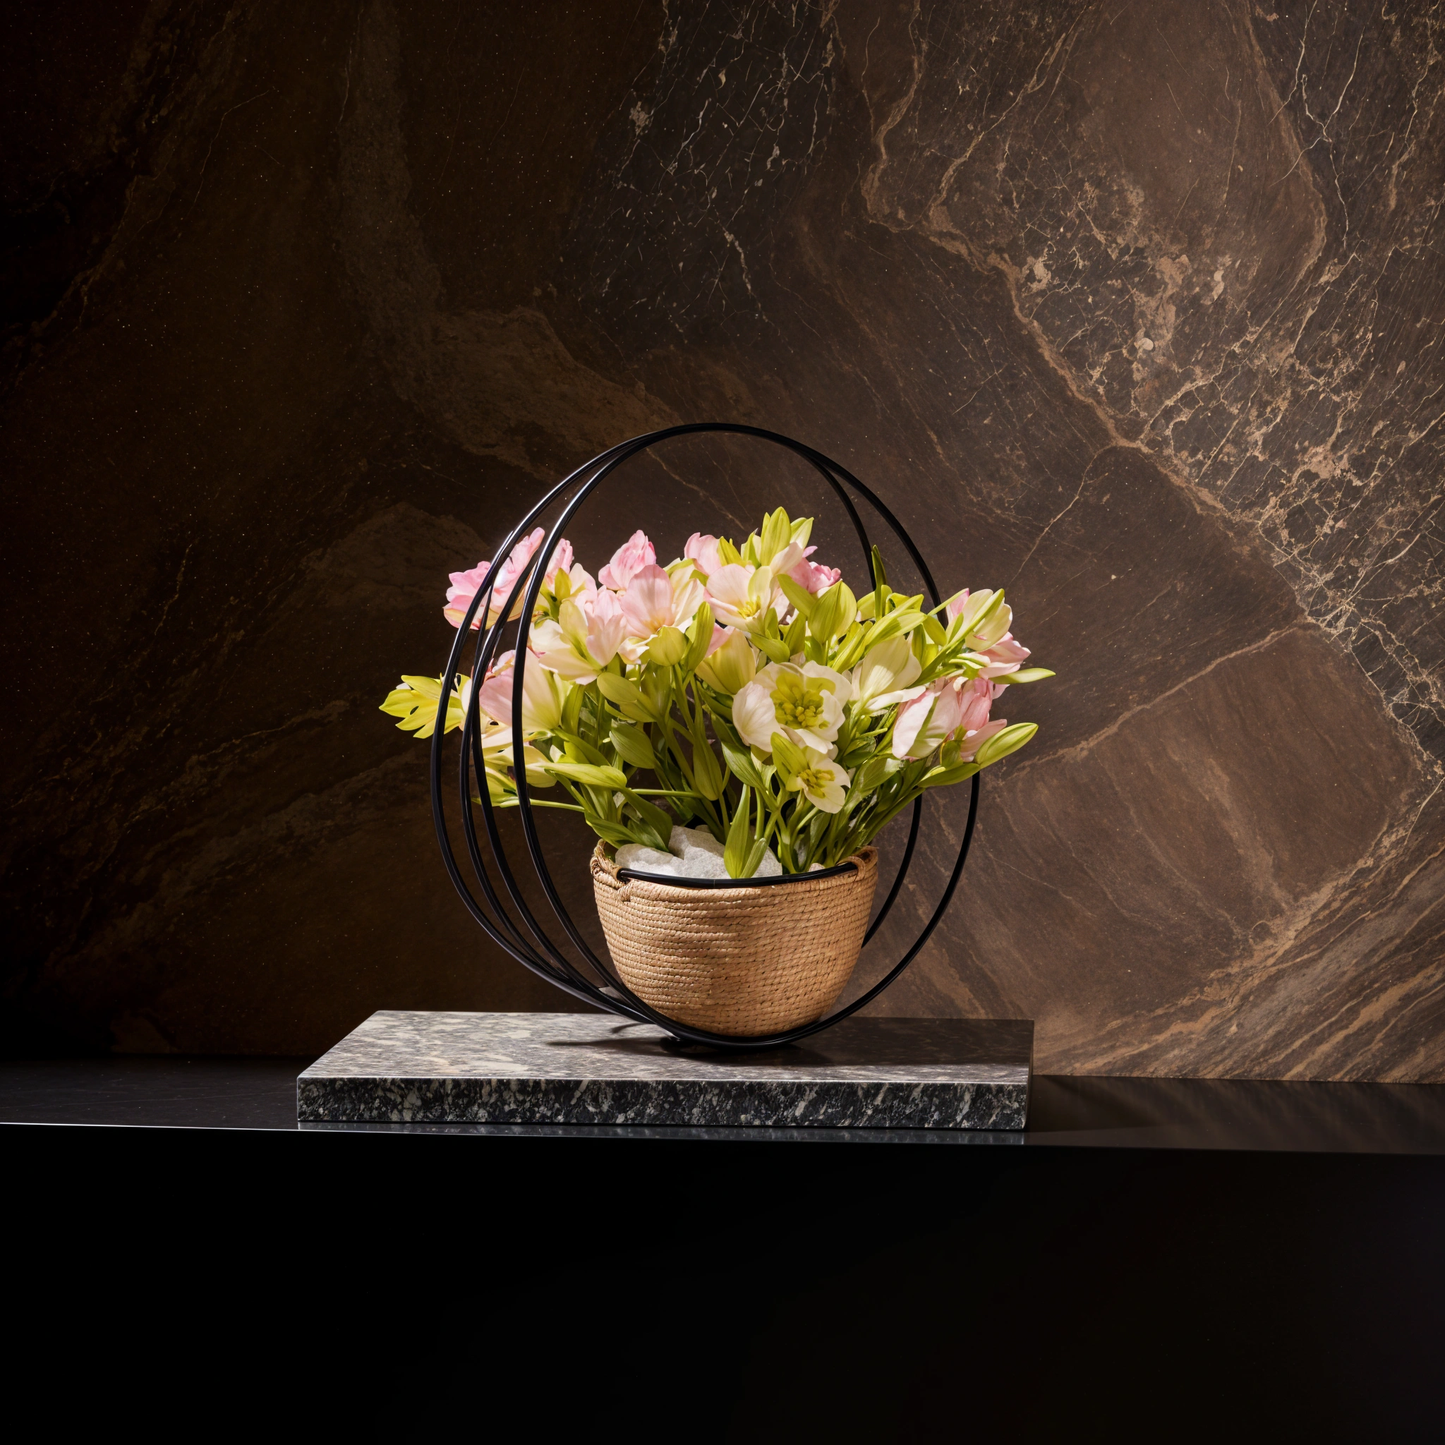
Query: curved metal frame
{"x": 543, "y": 956}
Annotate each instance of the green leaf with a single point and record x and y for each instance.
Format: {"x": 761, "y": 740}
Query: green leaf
{"x": 589, "y": 775}
{"x": 850, "y": 650}
{"x": 894, "y": 625}
{"x": 790, "y": 759}
{"x": 572, "y": 708}
{"x": 738, "y": 845}
{"x": 415, "y": 703}
{"x": 652, "y": 821}
{"x": 668, "y": 647}
{"x": 706, "y": 773}
{"x": 880, "y": 573}
{"x": 633, "y": 746}
{"x": 657, "y": 690}
{"x": 627, "y": 696}
{"x": 875, "y": 771}
{"x": 777, "y": 533}
{"x": 1000, "y": 745}
{"x": 685, "y": 806}
{"x": 798, "y": 595}
{"x": 723, "y": 727}
{"x": 613, "y": 833}
{"x": 946, "y": 777}
{"x": 579, "y": 750}
{"x": 796, "y": 634}
{"x": 617, "y": 834}
{"x": 728, "y": 551}
{"x": 740, "y": 764}
{"x": 1025, "y": 675}
{"x": 773, "y": 648}
{"x": 823, "y": 623}
{"x": 702, "y": 625}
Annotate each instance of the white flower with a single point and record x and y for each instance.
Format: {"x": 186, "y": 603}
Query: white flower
{"x": 820, "y": 780}
{"x": 753, "y": 716}
{"x": 555, "y": 649}
{"x": 885, "y": 676}
{"x": 804, "y": 703}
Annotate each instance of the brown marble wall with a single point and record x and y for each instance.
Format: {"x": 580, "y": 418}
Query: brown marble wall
{"x": 1133, "y": 309}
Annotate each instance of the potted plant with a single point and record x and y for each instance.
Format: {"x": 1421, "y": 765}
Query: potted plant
{"x": 736, "y": 727}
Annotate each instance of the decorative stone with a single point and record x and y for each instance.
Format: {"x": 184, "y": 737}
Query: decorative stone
{"x": 548, "y": 1068}
{"x": 694, "y": 853}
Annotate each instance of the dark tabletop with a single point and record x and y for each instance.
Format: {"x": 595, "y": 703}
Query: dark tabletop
{"x": 260, "y": 1093}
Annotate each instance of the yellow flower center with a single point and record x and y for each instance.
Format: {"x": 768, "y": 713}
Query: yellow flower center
{"x": 748, "y": 607}
{"x": 796, "y": 715}
{"x": 814, "y": 780}
{"x": 796, "y": 705}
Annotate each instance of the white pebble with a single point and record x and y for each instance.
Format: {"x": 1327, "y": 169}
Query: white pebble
{"x": 702, "y": 855}
{"x": 648, "y": 860}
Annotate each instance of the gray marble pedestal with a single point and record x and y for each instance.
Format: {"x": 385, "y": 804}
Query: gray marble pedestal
{"x": 536, "y": 1068}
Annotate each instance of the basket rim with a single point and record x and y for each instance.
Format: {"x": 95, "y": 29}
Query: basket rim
{"x": 854, "y": 864}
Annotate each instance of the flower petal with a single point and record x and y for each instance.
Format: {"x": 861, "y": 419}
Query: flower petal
{"x": 753, "y": 716}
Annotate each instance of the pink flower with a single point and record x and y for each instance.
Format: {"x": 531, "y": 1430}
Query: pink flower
{"x": 702, "y": 549}
{"x": 466, "y": 585}
{"x": 653, "y": 601}
{"x": 561, "y": 562}
{"x": 965, "y": 705}
{"x": 953, "y": 707}
{"x": 741, "y": 595}
{"x": 606, "y": 627}
{"x": 995, "y": 642}
{"x": 541, "y": 697}
{"x": 969, "y": 745}
{"x": 495, "y": 695}
{"x": 1005, "y": 656}
{"x": 812, "y": 576}
{"x": 627, "y": 561}
{"x": 647, "y": 603}
{"x": 515, "y": 564}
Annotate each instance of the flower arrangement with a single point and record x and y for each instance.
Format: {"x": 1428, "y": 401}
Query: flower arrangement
{"x": 742, "y": 689}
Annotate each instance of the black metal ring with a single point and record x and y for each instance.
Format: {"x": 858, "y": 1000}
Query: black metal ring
{"x": 551, "y": 962}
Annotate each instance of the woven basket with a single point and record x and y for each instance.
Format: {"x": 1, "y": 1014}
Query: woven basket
{"x": 738, "y": 961}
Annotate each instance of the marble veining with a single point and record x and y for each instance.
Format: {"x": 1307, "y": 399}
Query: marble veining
{"x": 410, "y": 1067}
{"x": 1134, "y": 309}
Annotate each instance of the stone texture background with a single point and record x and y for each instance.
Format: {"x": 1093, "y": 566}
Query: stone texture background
{"x": 1133, "y": 309}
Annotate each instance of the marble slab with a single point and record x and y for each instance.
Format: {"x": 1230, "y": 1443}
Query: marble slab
{"x": 402, "y": 1067}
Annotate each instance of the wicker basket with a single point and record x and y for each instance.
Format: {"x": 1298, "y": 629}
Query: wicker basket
{"x": 739, "y": 961}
